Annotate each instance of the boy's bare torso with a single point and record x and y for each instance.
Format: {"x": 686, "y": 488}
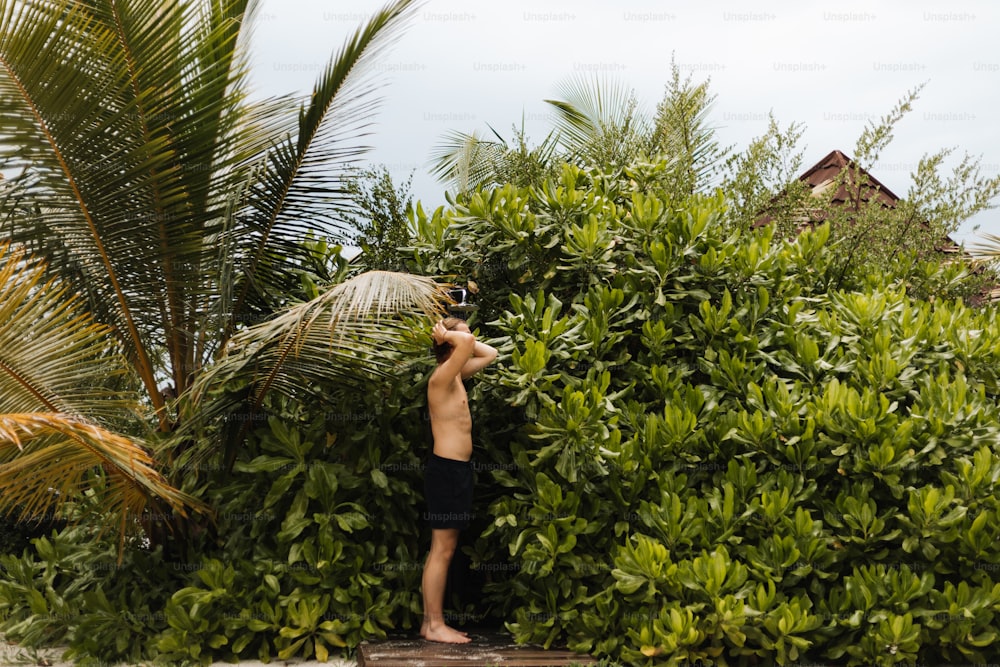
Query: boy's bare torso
{"x": 451, "y": 421}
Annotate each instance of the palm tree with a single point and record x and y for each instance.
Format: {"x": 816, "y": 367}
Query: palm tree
{"x": 175, "y": 207}
{"x": 599, "y": 123}
{"x": 466, "y": 162}
{"x": 596, "y": 122}
{"x": 60, "y": 401}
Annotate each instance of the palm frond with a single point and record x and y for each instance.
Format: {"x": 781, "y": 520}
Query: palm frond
{"x": 349, "y": 334}
{"x": 193, "y": 69}
{"x": 130, "y": 119}
{"x": 53, "y": 357}
{"x": 143, "y": 157}
{"x": 303, "y": 185}
{"x": 336, "y": 336}
{"x": 57, "y": 365}
{"x": 590, "y": 110}
{"x": 466, "y": 162}
{"x": 988, "y": 248}
{"x": 72, "y": 123}
{"x": 47, "y": 459}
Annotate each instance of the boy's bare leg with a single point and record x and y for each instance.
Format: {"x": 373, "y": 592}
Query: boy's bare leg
{"x": 443, "y": 544}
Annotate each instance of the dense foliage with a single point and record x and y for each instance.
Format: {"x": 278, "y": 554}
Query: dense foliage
{"x": 598, "y": 124}
{"x": 699, "y": 449}
{"x": 317, "y": 546}
{"x": 692, "y": 447}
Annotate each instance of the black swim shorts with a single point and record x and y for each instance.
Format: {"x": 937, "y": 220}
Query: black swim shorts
{"x": 448, "y": 489}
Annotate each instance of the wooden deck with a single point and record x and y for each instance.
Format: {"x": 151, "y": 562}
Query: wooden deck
{"x": 485, "y": 649}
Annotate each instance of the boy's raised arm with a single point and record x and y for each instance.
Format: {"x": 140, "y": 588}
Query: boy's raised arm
{"x": 482, "y": 356}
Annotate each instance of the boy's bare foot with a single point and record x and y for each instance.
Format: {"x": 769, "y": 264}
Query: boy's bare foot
{"x": 424, "y": 627}
{"x": 444, "y": 634}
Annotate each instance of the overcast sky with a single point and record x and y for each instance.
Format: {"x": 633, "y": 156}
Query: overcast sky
{"x": 831, "y": 66}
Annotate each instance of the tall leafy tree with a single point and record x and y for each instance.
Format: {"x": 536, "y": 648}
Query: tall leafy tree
{"x": 684, "y": 135}
{"x": 154, "y": 187}
{"x": 381, "y": 221}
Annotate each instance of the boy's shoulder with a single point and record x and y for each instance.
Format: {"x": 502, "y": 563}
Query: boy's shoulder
{"x": 441, "y": 376}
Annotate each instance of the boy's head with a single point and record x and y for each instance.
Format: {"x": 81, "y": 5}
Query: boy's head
{"x": 443, "y": 351}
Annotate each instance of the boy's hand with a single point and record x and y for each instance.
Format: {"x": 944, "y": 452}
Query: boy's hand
{"x": 439, "y": 332}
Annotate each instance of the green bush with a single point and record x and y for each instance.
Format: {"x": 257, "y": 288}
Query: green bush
{"x": 703, "y": 452}
{"x": 317, "y": 547}
{"x": 71, "y": 589}
{"x": 16, "y": 536}
{"x": 318, "y": 544}
{"x": 319, "y": 534}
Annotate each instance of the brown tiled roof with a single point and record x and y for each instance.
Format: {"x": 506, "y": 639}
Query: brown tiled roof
{"x": 824, "y": 174}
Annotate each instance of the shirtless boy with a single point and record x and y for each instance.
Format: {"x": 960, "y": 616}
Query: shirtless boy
{"x": 448, "y": 480}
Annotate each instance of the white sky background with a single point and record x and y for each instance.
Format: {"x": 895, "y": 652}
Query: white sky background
{"x": 832, "y": 67}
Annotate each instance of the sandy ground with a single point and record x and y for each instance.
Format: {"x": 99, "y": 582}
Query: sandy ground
{"x": 11, "y": 654}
